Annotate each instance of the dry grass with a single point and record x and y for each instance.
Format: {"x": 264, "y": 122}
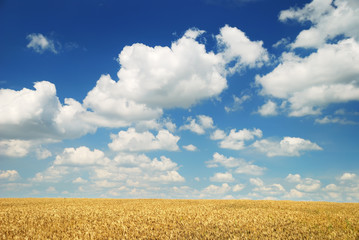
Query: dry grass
{"x": 176, "y": 219}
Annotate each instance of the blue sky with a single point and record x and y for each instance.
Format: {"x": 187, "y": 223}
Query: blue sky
{"x": 232, "y": 99}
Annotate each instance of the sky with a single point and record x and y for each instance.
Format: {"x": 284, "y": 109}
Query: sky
{"x": 192, "y": 99}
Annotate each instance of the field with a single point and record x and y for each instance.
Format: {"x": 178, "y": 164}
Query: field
{"x": 176, "y": 219}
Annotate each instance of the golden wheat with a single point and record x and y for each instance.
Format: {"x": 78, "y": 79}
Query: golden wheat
{"x": 176, "y": 219}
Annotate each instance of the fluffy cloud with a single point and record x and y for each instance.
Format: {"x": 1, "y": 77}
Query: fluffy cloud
{"x": 330, "y": 73}
{"x": 222, "y": 177}
{"x": 294, "y": 193}
{"x": 239, "y": 48}
{"x": 237, "y": 103}
{"x": 268, "y": 109}
{"x": 38, "y": 114}
{"x": 39, "y": 43}
{"x": 14, "y": 148}
{"x": 308, "y": 185}
{"x": 235, "y": 139}
{"x": 216, "y": 190}
{"x": 10, "y": 175}
{"x": 293, "y": 178}
{"x": 329, "y": 19}
{"x": 273, "y": 189}
{"x": 131, "y": 140}
{"x": 238, "y": 187}
{"x": 81, "y": 156}
{"x": 288, "y": 146}
{"x": 328, "y": 119}
{"x": 200, "y": 125}
{"x": 242, "y": 167}
{"x": 155, "y": 78}
{"x": 327, "y": 76}
{"x": 190, "y": 147}
{"x": 348, "y": 176}
{"x": 79, "y": 180}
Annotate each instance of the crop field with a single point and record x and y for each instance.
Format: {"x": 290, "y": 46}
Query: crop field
{"x": 176, "y": 219}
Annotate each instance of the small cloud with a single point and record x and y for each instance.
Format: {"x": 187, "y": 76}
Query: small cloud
{"x": 222, "y": 177}
{"x": 237, "y": 103}
{"x": 39, "y": 43}
{"x": 268, "y": 109}
{"x": 348, "y": 176}
{"x": 293, "y": 178}
{"x": 79, "y": 180}
{"x": 238, "y": 187}
{"x": 190, "y": 148}
{"x": 288, "y": 146}
{"x": 282, "y": 42}
{"x": 10, "y": 175}
{"x": 329, "y": 119}
{"x": 51, "y": 190}
{"x": 198, "y": 125}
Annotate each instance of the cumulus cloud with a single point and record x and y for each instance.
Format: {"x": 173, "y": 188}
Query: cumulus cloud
{"x": 329, "y": 19}
{"x": 238, "y": 187}
{"x": 330, "y": 73}
{"x": 190, "y": 147}
{"x": 288, "y": 146}
{"x": 237, "y": 103}
{"x": 236, "y": 139}
{"x": 272, "y": 189}
{"x": 200, "y": 125}
{"x": 215, "y": 190}
{"x": 222, "y": 177}
{"x": 241, "y": 166}
{"x": 218, "y": 134}
{"x": 294, "y": 193}
{"x": 268, "y": 109}
{"x": 329, "y": 119}
{"x": 155, "y": 78}
{"x": 133, "y": 141}
{"x": 38, "y": 114}
{"x": 239, "y": 48}
{"x": 81, "y": 156}
{"x": 348, "y": 176}
{"x": 10, "y": 175}
{"x": 79, "y": 180}
{"x": 308, "y": 185}
{"x": 309, "y": 84}
{"x": 293, "y": 178}
{"x": 39, "y": 43}
{"x": 14, "y": 148}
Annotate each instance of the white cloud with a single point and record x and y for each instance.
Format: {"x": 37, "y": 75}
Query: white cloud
{"x": 329, "y": 19}
{"x": 242, "y": 167}
{"x": 294, "y": 193}
{"x": 131, "y": 140}
{"x": 200, "y": 125}
{"x": 170, "y": 176}
{"x": 288, "y": 146}
{"x": 38, "y": 114}
{"x": 348, "y": 176}
{"x": 51, "y": 190}
{"x": 309, "y": 84}
{"x": 218, "y": 134}
{"x": 216, "y": 190}
{"x": 235, "y": 139}
{"x": 331, "y": 187}
{"x": 81, "y": 156}
{"x": 14, "y": 148}
{"x": 308, "y": 185}
{"x": 190, "y": 147}
{"x": 39, "y": 43}
{"x": 293, "y": 178}
{"x": 268, "y": 109}
{"x": 79, "y": 180}
{"x": 239, "y": 48}
{"x": 273, "y": 189}
{"x": 237, "y": 103}
{"x": 328, "y": 119}
{"x": 10, "y": 175}
{"x": 238, "y": 187}
{"x": 43, "y": 153}
{"x": 222, "y": 177}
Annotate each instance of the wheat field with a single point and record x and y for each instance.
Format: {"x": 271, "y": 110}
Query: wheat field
{"x": 176, "y": 219}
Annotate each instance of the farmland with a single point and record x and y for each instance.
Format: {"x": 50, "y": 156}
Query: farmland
{"x": 176, "y": 219}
